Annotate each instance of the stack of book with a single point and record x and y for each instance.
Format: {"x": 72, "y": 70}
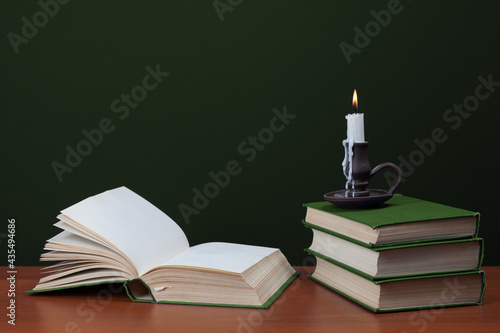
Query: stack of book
{"x": 407, "y": 254}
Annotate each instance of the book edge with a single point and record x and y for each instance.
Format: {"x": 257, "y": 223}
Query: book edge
{"x": 266, "y": 305}
{"x": 377, "y": 310}
{"x": 384, "y": 279}
{"x": 387, "y": 246}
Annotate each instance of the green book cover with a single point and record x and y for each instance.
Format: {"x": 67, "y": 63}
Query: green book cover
{"x": 398, "y": 210}
{"x": 438, "y": 303}
{"x": 387, "y": 248}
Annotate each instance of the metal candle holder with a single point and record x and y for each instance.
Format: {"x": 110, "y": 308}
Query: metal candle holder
{"x": 357, "y": 195}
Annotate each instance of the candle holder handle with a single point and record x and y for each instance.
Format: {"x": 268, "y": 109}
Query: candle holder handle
{"x": 393, "y": 167}
{"x": 358, "y": 173}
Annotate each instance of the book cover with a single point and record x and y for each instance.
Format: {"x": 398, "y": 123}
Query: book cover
{"x": 349, "y": 265}
{"x": 377, "y": 227}
{"x": 445, "y": 284}
{"x": 399, "y": 209}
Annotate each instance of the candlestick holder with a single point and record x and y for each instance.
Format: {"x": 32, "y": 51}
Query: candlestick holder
{"x": 358, "y": 172}
{"x": 359, "y": 175}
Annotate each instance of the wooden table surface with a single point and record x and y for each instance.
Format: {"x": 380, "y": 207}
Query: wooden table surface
{"x": 304, "y": 307}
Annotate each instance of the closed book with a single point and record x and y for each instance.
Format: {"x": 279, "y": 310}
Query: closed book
{"x": 401, "y": 219}
{"x": 450, "y": 255}
{"x": 401, "y": 294}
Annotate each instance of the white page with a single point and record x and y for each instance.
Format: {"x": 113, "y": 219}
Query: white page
{"x": 224, "y": 256}
{"x": 140, "y": 230}
{"x": 63, "y": 225}
{"x": 67, "y": 238}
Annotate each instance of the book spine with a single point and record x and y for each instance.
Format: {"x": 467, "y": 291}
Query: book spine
{"x": 481, "y": 253}
{"x": 139, "y": 291}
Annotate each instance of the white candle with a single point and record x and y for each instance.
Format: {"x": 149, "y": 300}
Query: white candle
{"x": 355, "y": 127}
{"x": 355, "y": 133}
{"x": 355, "y": 122}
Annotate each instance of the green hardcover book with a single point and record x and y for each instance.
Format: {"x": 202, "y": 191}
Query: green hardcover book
{"x": 401, "y": 219}
{"x": 450, "y": 255}
{"x": 117, "y": 236}
{"x": 401, "y": 294}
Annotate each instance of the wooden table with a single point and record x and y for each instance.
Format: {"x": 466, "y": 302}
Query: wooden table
{"x": 304, "y": 307}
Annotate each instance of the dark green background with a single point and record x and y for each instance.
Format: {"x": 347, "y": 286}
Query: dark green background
{"x": 225, "y": 79}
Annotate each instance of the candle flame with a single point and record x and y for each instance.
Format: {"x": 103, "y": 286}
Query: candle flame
{"x": 355, "y": 101}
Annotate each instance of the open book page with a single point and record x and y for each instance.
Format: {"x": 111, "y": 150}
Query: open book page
{"x": 69, "y": 228}
{"x": 73, "y": 241}
{"x": 221, "y": 256}
{"x": 66, "y": 243}
{"x": 145, "y": 234}
{"x": 82, "y": 256}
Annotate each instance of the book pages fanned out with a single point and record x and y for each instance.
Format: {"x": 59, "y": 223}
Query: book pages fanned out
{"x": 141, "y": 231}
{"x": 117, "y": 236}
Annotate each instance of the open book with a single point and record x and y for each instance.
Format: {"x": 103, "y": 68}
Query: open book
{"x": 119, "y": 236}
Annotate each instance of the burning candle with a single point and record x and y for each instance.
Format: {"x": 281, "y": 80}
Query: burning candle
{"x": 355, "y": 133}
{"x": 355, "y": 122}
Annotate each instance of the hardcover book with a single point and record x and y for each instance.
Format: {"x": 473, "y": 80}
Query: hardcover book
{"x": 452, "y": 255}
{"x": 118, "y": 236}
{"x": 398, "y": 294}
{"x": 407, "y": 254}
{"x": 401, "y": 219}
